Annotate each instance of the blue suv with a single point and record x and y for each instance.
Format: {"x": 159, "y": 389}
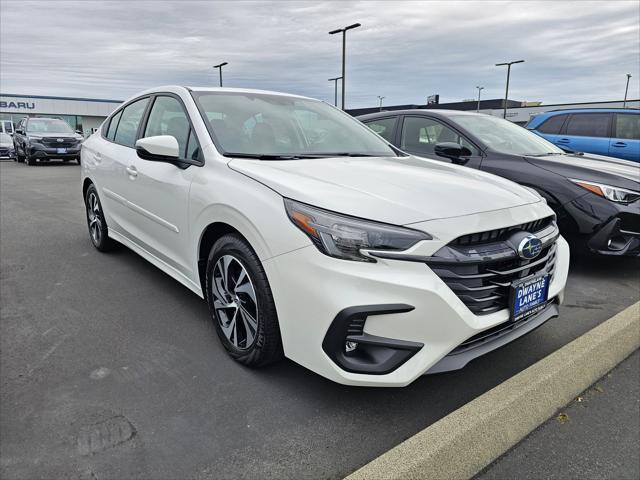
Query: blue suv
{"x": 614, "y": 132}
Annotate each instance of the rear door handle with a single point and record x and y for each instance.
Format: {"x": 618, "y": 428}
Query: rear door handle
{"x": 132, "y": 171}
{"x": 620, "y": 144}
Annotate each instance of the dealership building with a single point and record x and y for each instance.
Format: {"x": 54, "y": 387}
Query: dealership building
{"x": 83, "y": 114}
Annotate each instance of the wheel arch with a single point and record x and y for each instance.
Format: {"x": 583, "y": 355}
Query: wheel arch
{"x": 208, "y": 238}
{"x": 85, "y": 186}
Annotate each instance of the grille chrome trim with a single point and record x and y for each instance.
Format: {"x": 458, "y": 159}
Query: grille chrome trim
{"x": 481, "y": 275}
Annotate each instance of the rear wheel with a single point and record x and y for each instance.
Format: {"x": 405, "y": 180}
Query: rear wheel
{"x": 98, "y": 230}
{"x": 241, "y": 303}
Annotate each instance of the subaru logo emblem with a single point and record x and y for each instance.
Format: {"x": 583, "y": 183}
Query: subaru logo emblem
{"x": 530, "y": 247}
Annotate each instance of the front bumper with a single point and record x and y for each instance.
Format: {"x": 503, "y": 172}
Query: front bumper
{"x": 40, "y": 152}
{"x": 311, "y": 290}
{"x": 608, "y": 228}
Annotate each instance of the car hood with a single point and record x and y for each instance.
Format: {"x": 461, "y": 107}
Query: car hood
{"x": 6, "y": 144}
{"x": 397, "y": 190}
{"x": 55, "y": 135}
{"x": 593, "y": 168}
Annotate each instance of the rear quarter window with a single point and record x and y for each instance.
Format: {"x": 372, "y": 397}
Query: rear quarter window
{"x": 383, "y": 127}
{"x": 113, "y": 125}
{"x": 552, "y": 124}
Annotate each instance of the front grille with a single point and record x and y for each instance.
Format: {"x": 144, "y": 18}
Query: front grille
{"x": 481, "y": 275}
{"x": 4, "y": 152}
{"x": 54, "y": 143}
{"x": 501, "y": 233}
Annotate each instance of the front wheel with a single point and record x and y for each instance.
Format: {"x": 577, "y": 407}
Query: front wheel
{"x": 98, "y": 230}
{"x": 29, "y": 159}
{"x": 241, "y": 303}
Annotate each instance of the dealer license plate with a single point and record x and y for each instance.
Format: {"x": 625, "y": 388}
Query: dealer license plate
{"x": 61, "y": 150}
{"x": 529, "y": 296}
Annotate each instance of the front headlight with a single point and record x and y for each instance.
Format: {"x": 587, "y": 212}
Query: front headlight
{"x": 342, "y": 236}
{"x": 615, "y": 194}
{"x": 34, "y": 139}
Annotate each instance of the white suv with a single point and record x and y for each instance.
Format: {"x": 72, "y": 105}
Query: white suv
{"x": 311, "y": 237}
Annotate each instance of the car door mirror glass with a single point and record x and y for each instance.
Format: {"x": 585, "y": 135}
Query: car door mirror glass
{"x": 160, "y": 148}
{"x": 453, "y": 151}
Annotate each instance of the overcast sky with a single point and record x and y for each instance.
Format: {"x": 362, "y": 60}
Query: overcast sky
{"x": 405, "y": 51}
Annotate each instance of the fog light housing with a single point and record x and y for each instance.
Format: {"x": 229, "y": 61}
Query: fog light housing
{"x": 350, "y": 346}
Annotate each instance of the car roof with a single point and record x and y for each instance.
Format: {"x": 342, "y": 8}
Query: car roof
{"x": 591, "y": 110}
{"x": 437, "y": 112}
{"x": 181, "y": 89}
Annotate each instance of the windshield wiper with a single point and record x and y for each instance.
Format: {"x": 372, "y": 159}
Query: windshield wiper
{"x": 346, "y": 154}
{"x": 264, "y": 156}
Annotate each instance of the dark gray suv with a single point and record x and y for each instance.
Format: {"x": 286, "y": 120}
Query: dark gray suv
{"x": 43, "y": 139}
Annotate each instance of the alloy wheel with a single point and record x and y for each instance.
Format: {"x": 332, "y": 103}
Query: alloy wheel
{"x": 234, "y": 302}
{"x": 95, "y": 218}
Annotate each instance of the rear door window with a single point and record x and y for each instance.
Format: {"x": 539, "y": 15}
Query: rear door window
{"x": 627, "y": 126}
{"x": 421, "y": 134}
{"x": 588, "y": 125}
{"x": 383, "y": 127}
{"x": 552, "y": 125}
{"x": 127, "y": 129}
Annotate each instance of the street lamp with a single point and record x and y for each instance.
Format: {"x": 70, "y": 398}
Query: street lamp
{"x": 335, "y": 84}
{"x": 479, "y": 90}
{"x": 219, "y": 66}
{"x": 506, "y": 95}
{"x": 344, "y": 47}
{"x": 624, "y": 104}
{"x": 380, "y": 98}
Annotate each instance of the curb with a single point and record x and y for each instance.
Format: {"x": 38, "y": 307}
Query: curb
{"x": 464, "y": 442}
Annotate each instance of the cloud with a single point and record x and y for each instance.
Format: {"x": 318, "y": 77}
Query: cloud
{"x": 574, "y": 51}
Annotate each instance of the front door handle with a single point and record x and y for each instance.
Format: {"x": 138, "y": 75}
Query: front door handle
{"x": 132, "y": 171}
{"x": 563, "y": 140}
{"x": 619, "y": 144}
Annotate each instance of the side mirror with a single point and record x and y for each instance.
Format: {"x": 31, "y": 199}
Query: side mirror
{"x": 453, "y": 151}
{"x": 162, "y": 148}
{"x": 80, "y": 132}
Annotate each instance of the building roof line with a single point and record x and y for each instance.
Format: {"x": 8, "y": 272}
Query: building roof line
{"x": 47, "y": 97}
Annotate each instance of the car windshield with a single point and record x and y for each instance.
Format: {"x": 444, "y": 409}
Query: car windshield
{"x": 47, "y": 125}
{"x": 5, "y": 138}
{"x": 506, "y": 137}
{"x": 271, "y": 126}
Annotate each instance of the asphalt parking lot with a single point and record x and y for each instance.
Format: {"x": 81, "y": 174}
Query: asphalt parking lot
{"x": 111, "y": 369}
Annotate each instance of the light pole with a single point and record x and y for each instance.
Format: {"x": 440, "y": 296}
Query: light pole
{"x": 624, "y": 104}
{"x": 219, "y": 66}
{"x": 335, "y": 85}
{"x": 506, "y": 95}
{"x": 380, "y": 98}
{"x": 479, "y": 90}
{"x": 344, "y": 48}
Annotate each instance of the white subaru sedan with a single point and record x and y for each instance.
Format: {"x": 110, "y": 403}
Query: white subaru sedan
{"x": 312, "y": 237}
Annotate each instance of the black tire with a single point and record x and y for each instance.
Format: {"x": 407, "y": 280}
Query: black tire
{"x": 29, "y": 159}
{"x": 100, "y": 240}
{"x": 266, "y": 345}
{"x": 78, "y": 160}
